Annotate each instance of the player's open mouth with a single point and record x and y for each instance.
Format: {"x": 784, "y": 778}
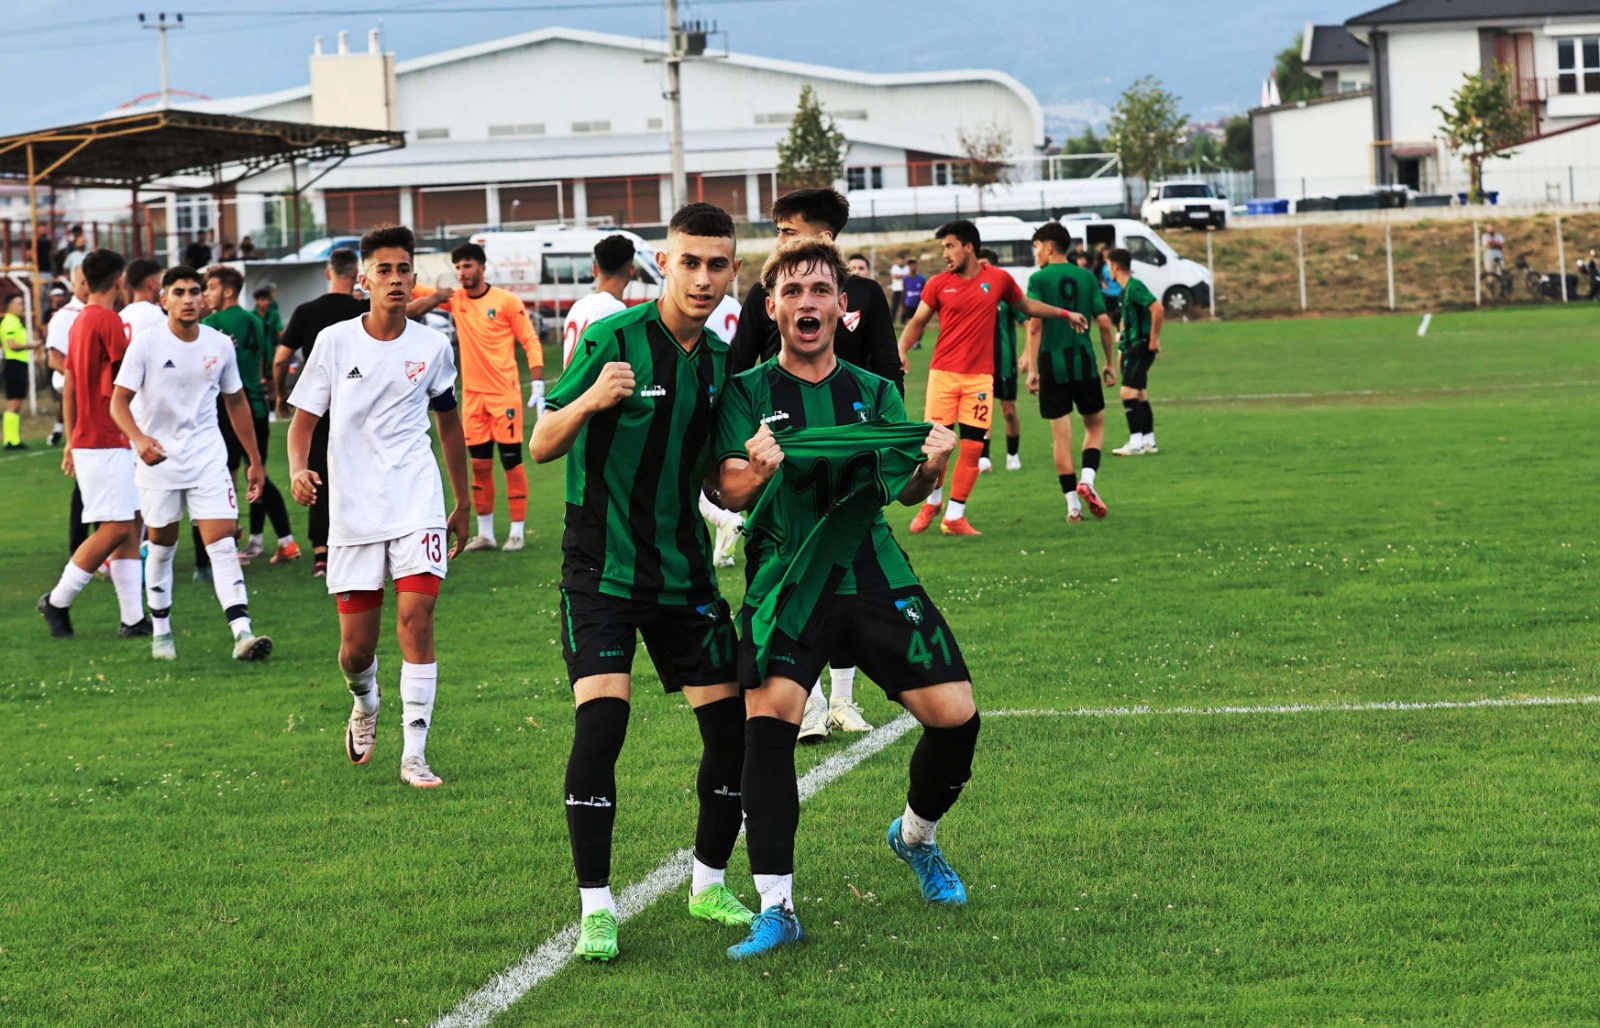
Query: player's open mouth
{"x": 808, "y": 326}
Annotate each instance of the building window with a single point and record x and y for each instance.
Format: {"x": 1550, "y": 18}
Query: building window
{"x": 424, "y": 135}
{"x": 654, "y": 124}
{"x": 591, "y": 126}
{"x": 779, "y": 118}
{"x": 193, "y": 212}
{"x": 526, "y": 129}
{"x": 943, "y": 174}
{"x": 864, "y": 178}
{"x": 855, "y": 115}
{"x": 1578, "y": 65}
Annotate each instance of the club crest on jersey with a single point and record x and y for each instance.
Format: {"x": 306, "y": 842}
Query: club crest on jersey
{"x": 984, "y": 286}
{"x": 491, "y": 313}
{"x": 709, "y": 610}
{"x": 863, "y": 414}
{"x": 415, "y": 370}
{"x": 210, "y": 362}
{"x": 910, "y": 609}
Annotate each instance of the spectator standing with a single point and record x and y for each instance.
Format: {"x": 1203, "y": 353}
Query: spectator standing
{"x": 1494, "y": 251}
{"x": 198, "y": 253}
{"x": 912, "y": 292}
{"x": 897, "y": 287}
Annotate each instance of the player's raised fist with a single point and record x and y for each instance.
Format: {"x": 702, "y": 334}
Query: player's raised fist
{"x": 614, "y": 384}
{"x": 303, "y": 487}
{"x": 764, "y": 452}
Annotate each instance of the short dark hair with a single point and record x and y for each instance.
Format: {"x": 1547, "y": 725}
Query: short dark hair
{"x": 964, "y": 230}
{"x": 859, "y": 257}
{"x": 469, "y": 252}
{"x": 140, "y": 270}
{"x": 262, "y": 294}
{"x": 180, "y": 273}
{"x": 817, "y": 206}
{"x": 1120, "y": 258}
{"x": 613, "y": 254}
{"x": 989, "y": 255}
{"x": 101, "y": 268}
{"x": 383, "y": 236}
{"x": 804, "y": 255}
{"x": 911, "y": 260}
{"x": 5, "y": 301}
{"x": 1056, "y": 234}
{"x": 344, "y": 262}
{"x": 229, "y": 277}
{"x": 702, "y": 219}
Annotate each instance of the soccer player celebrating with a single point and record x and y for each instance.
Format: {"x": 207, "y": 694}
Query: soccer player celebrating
{"x": 490, "y": 322}
{"x": 966, "y": 296}
{"x": 1062, "y": 370}
{"x": 613, "y": 270}
{"x": 633, "y": 414}
{"x": 177, "y": 371}
{"x": 374, "y": 378}
{"x": 1006, "y": 369}
{"x": 823, "y": 565}
{"x": 252, "y": 343}
{"x": 1142, "y": 315}
{"x": 97, "y": 454}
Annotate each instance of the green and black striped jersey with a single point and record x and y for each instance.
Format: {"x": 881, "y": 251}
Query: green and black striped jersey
{"x": 1136, "y": 319}
{"x": 1005, "y": 341}
{"x": 633, "y": 525}
{"x": 1065, "y": 354}
{"x": 768, "y": 395}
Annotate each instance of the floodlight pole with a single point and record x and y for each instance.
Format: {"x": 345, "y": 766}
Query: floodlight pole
{"x": 674, "y": 61}
{"x": 161, "y": 25}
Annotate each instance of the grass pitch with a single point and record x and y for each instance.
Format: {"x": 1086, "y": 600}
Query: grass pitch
{"x": 1343, "y": 513}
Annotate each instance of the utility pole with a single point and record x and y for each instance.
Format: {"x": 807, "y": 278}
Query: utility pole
{"x": 162, "y": 25}
{"x": 680, "y": 181}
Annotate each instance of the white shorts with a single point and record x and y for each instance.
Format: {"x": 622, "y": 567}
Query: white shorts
{"x": 105, "y": 478}
{"x": 365, "y": 567}
{"x": 213, "y": 500}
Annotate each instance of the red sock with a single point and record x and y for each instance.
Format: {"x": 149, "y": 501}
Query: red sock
{"x": 517, "y": 492}
{"x": 483, "y": 486}
{"x": 966, "y": 469}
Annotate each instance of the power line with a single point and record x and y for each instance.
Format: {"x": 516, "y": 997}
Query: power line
{"x": 513, "y": 9}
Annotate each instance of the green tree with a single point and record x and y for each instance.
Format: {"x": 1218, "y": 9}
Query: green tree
{"x": 1085, "y": 143}
{"x": 985, "y": 149}
{"x": 1294, "y": 82}
{"x": 1485, "y": 119}
{"x": 1238, "y": 144}
{"x": 813, "y": 154}
{"x": 1147, "y": 130}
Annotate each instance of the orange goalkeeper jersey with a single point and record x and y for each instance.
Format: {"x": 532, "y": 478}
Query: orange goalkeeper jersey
{"x": 488, "y": 329}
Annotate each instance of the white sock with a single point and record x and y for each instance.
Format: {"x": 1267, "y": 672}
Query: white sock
{"x": 285, "y": 540}
{"x": 597, "y": 899}
{"x": 704, "y": 877}
{"x": 954, "y": 510}
{"x": 125, "y": 575}
{"x": 1074, "y": 505}
{"x": 916, "y": 830}
{"x": 73, "y": 579}
{"x": 1086, "y": 476}
{"x": 844, "y": 684}
{"x": 59, "y": 427}
{"x": 486, "y": 525}
{"x": 516, "y": 530}
{"x": 158, "y": 586}
{"x": 776, "y": 890}
{"x": 816, "y": 694}
{"x": 720, "y": 517}
{"x": 255, "y": 538}
{"x": 227, "y": 581}
{"x": 364, "y": 687}
{"x": 418, "y": 683}
{"x": 1149, "y": 440}
{"x": 935, "y": 498}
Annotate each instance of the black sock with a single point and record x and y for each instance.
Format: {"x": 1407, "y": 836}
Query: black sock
{"x": 1091, "y": 458}
{"x": 771, "y": 794}
{"x": 1069, "y": 482}
{"x": 986, "y": 444}
{"x": 940, "y": 767}
{"x": 721, "y": 765}
{"x": 1131, "y": 411}
{"x": 1012, "y": 442}
{"x": 1149, "y": 418}
{"x": 601, "y": 726}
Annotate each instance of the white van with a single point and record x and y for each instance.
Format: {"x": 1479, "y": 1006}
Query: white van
{"x": 1181, "y": 285}
{"x": 551, "y": 268}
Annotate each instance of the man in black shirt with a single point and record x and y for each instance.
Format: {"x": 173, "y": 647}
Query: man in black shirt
{"x": 305, "y": 324}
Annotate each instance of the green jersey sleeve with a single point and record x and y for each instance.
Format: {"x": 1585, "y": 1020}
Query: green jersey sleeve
{"x": 1139, "y": 294}
{"x": 736, "y": 422}
{"x": 1036, "y": 287}
{"x": 891, "y": 407}
{"x": 1097, "y": 305}
{"x": 593, "y": 352}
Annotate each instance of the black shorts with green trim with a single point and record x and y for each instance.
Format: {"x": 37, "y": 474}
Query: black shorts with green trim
{"x": 1006, "y": 388}
{"x": 898, "y": 637}
{"x": 1058, "y": 399}
{"x": 1136, "y": 366}
{"x": 689, "y": 645}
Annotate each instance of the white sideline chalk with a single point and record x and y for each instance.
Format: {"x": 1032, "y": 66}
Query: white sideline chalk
{"x": 1422, "y": 329}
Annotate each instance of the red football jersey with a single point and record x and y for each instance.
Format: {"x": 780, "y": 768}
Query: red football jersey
{"x": 97, "y": 344}
{"x": 968, "y": 309}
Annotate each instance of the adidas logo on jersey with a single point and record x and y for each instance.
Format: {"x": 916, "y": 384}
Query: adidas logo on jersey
{"x": 778, "y": 415}
{"x": 169, "y": 364}
{"x": 354, "y": 373}
{"x": 655, "y": 390}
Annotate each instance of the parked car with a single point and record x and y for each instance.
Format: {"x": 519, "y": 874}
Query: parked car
{"x": 551, "y": 268}
{"x": 318, "y": 249}
{"x": 1192, "y": 204}
{"x": 1180, "y": 284}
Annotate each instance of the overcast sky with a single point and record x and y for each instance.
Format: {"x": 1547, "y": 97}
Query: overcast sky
{"x": 69, "y": 60}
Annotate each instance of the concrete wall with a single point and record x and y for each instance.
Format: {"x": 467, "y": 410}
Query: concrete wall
{"x": 1317, "y": 150}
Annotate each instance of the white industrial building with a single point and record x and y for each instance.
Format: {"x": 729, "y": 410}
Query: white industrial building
{"x": 568, "y": 125}
{"x": 1382, "y": 128}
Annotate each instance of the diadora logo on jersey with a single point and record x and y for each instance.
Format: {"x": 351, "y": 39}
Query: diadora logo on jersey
{"x": 414, "y": 370}
{"x": 169, "y": 364}
{"x": 354, "y": 373}
{"x": 863, "y": 412}
{"x": 777, "y": 415}
{"x": 210, "y": 362}
{"x": 910, "y": 609}
{"x": 653, "y": 391}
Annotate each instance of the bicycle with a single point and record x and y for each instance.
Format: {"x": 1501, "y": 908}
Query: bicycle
{"x": 1498, "y": 283}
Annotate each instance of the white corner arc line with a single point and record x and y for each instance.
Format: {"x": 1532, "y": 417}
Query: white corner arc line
{"x": 516, "y": 981}
{"x": 506, "y": 988}
{"x": 1422, "y": 329}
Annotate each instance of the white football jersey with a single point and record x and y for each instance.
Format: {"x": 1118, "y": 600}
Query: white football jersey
{"x": 177, "y": 385}
{"x": 58, "y": 334}
{"x": 725, "y": 319}
{"x": 140, "y": 315}
{"x": 383, "y": 479}
{"x": 581, "y": 315}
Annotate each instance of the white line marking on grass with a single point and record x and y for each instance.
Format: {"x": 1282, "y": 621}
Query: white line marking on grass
{"x": 1338, "y": 393}
{"x": 510, "y": 985}
{"x": 1422, "y": 329}
{"x": 514, "y": 982}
